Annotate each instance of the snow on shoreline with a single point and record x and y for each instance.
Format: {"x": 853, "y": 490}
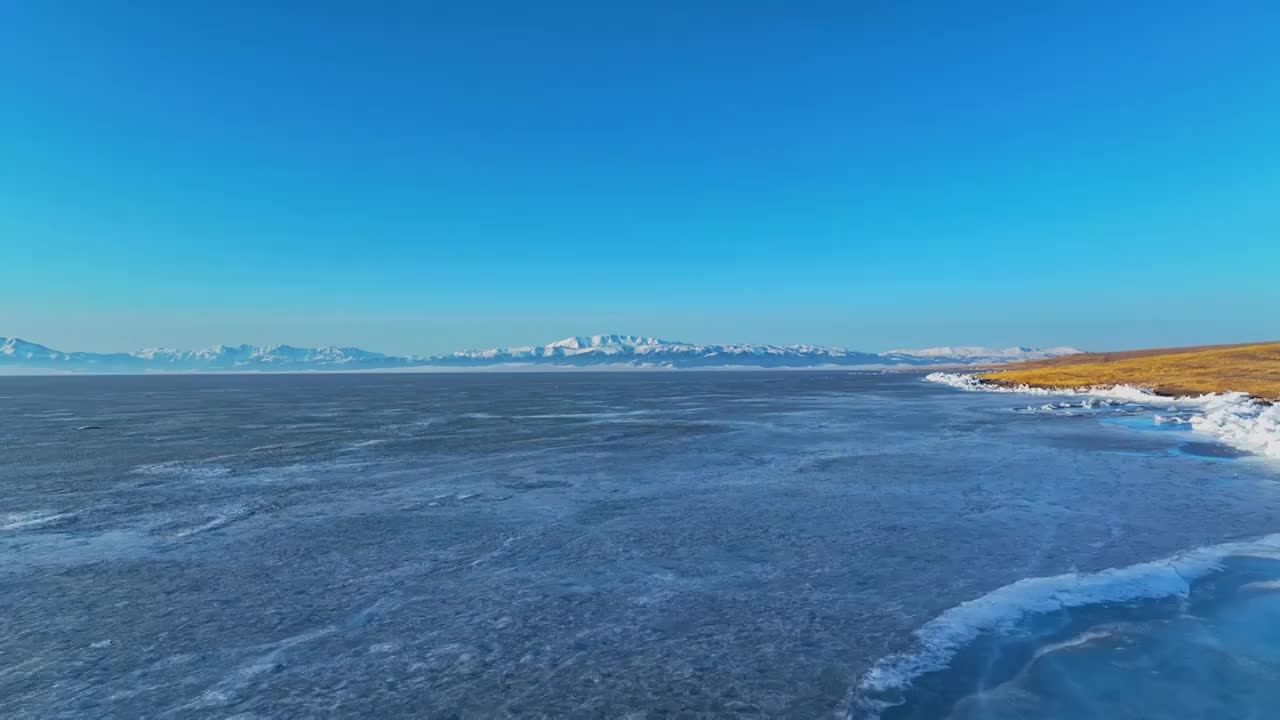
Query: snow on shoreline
{"x": 1234, "y": 418}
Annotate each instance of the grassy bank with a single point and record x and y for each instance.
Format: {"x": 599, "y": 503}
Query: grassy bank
{"x": 1251, "y": 368}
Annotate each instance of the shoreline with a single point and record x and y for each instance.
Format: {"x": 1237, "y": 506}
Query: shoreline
{"x": 1235, "y": 419}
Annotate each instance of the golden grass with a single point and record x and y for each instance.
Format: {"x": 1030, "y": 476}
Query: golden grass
{"x": 1254, "y": 369}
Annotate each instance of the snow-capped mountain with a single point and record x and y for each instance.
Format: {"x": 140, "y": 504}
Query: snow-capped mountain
{"x": 573, "y": 352}
{"x": 19, "y": 353}
{"x": 18, "y": 350}
{"x": 16, "y": 353}
{"x": 648, "y": 351}
{"x": 639, "y": 350}
{"x": 271, "y": 355}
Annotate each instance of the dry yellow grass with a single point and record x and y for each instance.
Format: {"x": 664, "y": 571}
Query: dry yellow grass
{"x": 1254, "y": 369}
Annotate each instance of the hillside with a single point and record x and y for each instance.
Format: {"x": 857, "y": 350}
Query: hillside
{"x": 1253, "y": 368}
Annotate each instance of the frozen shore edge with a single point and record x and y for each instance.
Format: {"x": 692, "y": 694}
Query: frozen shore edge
{"x": 1233, "y": 418}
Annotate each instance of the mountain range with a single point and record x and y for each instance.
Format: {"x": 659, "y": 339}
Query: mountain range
{"x": 591, "y": 351}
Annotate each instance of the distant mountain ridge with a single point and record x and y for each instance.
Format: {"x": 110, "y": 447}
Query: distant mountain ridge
{"x": 1010, "y": 354}
{"x": 573, "y": 352}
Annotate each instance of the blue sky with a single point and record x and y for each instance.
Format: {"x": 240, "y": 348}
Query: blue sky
{"x": 422, "y": 177}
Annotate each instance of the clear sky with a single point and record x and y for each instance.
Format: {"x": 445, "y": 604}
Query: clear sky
{"x": 423, "y": 177}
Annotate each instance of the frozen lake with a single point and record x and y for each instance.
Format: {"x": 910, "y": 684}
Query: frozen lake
{"x": 719, "y": 544}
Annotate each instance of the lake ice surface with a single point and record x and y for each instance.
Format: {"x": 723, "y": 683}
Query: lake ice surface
{"x": 771, "y": 544}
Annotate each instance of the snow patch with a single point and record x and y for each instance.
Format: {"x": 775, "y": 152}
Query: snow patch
{"x": 182, "y": 468}
{"x": 30, "y": 519}
{"x": 1241, "y": 422}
